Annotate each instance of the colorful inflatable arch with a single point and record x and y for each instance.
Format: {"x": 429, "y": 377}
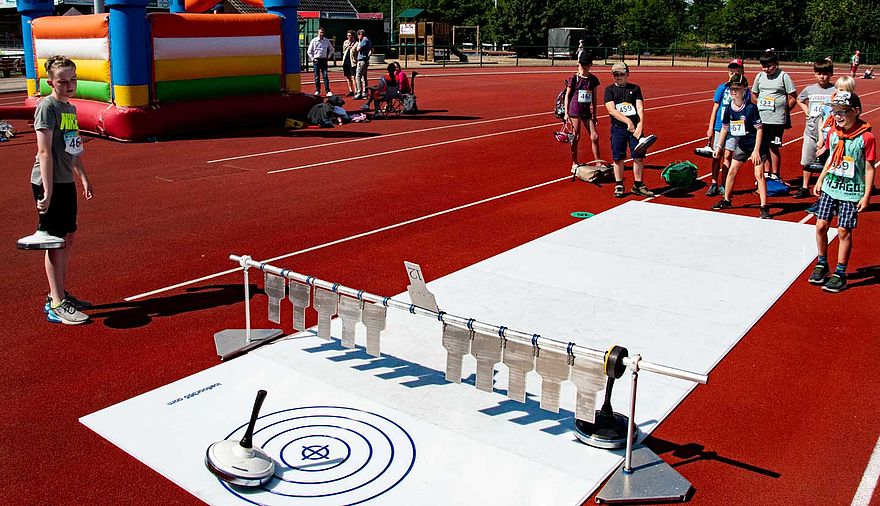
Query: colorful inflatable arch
{"x": 154, "y": 75}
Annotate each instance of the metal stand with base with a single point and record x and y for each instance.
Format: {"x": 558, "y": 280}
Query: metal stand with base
{"x": 231, "y": 342}
{"x": 643, "y": 476}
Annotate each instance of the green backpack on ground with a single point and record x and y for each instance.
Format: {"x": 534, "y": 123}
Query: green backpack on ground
{"x": 680, "y": 174}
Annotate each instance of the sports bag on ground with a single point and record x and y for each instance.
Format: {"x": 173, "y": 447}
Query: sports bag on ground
{"x": 680, "y": 174}
{"x": 410, "y": 105}
{"x": 776, "y": 188}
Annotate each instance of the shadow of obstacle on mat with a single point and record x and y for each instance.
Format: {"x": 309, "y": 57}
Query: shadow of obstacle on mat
{"x": 694, "y": 452}
{"x": 413, "y": 375}
{"x": 127, "y": 315}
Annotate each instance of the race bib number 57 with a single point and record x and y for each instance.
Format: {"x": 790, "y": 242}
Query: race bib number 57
{"x": 626, "y": 108}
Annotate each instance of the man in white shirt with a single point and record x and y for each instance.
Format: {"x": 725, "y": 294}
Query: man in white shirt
{"x": 320, "y": 50}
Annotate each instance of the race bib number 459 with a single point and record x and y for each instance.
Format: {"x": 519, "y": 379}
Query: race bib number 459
{"x": 626, "y": 108}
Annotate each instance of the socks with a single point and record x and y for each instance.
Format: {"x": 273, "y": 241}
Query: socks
{"x": 823, "y": 260}
{"x": 840, "y": 270}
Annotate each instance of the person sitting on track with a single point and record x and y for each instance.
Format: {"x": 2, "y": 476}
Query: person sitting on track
{"x": 387, "y": 88}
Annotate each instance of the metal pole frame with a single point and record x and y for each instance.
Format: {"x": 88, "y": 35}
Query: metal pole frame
{"x": 502, "y": 331}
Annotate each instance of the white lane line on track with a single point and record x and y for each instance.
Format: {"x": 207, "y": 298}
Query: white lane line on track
{"x": 869, "y": 479}
{"x": 442, "y": 143}
{"x": 423, "y": 130}
{"x": 379, "y": 230}
{"x": 397, "y": 225}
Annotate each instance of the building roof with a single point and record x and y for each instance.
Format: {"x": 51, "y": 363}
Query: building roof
{"x": 411, "y": 13}
{"x": 322, "y": 6}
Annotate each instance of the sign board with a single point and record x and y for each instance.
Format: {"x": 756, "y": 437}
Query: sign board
{"x": 408, "y": 29}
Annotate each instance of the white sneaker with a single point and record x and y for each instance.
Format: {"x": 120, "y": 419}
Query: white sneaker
{"x": 329, "y": 93}
{"x": 574, "y": 167}
{"x": 67, "y": 314}
{"x": 644, "y": 144}
{"x": 40, "y": 240}
{"x": 317, "y": 93}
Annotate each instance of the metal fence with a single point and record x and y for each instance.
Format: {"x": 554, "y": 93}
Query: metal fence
{"x": 421, "y": 54}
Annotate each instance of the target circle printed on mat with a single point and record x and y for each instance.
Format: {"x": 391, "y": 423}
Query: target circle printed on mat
{"x": 328, "y": 455}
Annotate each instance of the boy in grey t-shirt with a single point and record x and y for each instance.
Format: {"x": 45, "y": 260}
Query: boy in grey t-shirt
{"x": 774, "y": 93}
{"x": 814, "y": 100}
{"x": 53, "y": 175}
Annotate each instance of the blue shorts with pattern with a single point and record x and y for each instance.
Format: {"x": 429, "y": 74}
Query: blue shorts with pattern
{"x": 847, "y": 212}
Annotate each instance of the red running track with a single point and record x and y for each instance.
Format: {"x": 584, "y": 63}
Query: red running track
{"x": 787, "y": 418}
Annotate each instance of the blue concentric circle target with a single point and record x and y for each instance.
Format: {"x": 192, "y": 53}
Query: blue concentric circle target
{"x": 328, "y": 455}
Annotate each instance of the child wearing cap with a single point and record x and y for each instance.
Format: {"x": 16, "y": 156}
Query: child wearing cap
{"x": 625, "y": 105}
{"x": 844, "y": 186}
{"x": 720, "y": 101}
{"x": 813, "y": 101}
{"x": 743, "y": 122}
{"x": 774, "y": 93}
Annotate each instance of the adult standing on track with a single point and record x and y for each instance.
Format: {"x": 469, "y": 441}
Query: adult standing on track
{"x": 774, "y": 93}
{"x": 320, "y": 50}
{"x": 364, "y": 51}
{"x": 349, "y": 60}
{"x": 854, "y": 63}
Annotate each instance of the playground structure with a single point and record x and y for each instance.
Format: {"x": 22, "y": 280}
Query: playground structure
{"x": 143, "y": 76}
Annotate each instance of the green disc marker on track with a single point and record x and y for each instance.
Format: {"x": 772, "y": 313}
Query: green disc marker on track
{"x": 582, "y": 214}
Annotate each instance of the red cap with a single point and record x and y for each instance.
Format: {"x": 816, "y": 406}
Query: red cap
{"x": 736, "y": 62}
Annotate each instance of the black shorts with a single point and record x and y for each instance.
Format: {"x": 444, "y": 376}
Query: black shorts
{"x": 772, "y": 135}
{"x": 60, "y": 219}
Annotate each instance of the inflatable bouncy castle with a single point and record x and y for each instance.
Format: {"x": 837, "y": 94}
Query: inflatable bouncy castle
{"x": 144, "y": 75}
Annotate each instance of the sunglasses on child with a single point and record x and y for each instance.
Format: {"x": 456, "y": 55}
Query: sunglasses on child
{"x": 841, "y": 112}
{"x": 618, "y": 74}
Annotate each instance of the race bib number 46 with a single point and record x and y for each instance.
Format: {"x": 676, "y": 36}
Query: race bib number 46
{"x": 626, "y": 108}
{"x": 584, "y": 96}
{"x": 817, "y": 103}
{"x": 766, "y": 104}
{"x": 73, "y": 143}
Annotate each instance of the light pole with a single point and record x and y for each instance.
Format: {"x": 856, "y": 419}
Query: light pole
{"x": 392, "y": 22}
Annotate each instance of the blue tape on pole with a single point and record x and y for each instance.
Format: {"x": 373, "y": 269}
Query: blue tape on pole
{"x": 501, "y": 330}
{"x": 470, "y": 324}
{"x": 440, "y": 315}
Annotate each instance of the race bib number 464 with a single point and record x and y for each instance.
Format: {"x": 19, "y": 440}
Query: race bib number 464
{"x": 626, "y": 108}
{"x": 585, "y": 96}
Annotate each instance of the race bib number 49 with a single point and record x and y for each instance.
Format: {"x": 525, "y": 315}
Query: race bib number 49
{"x": 73, "y": 143}
{"x": 626, "y": 108}
{"x": 766, "y": 104}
